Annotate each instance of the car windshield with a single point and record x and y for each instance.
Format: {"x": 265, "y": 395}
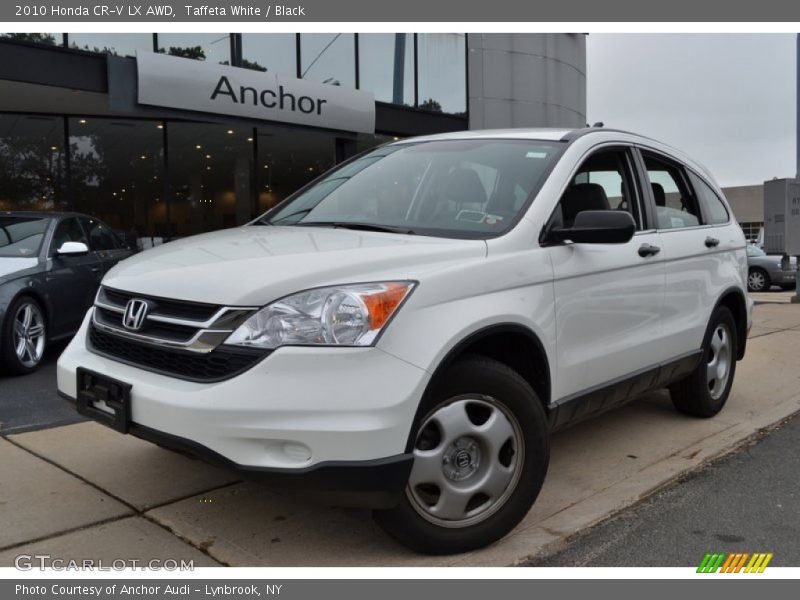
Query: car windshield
{"x": 755, "y": 251}
{"x": 21, "y": 237}
{"x": 453, "y": 188}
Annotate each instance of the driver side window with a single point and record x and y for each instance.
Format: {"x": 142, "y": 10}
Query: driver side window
{"x": 603, "y": 182}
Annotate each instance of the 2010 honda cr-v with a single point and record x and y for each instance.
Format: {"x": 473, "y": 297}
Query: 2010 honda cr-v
{"x": 406, "y": 331}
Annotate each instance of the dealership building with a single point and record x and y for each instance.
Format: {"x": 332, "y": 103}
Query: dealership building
{"x": 167, "y": 135}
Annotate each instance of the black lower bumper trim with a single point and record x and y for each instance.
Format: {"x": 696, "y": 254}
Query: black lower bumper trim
{"x": 375, "y": 483}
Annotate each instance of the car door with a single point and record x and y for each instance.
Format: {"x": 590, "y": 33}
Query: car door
{"x": 104, "y": 243}
{"x": 71, "y": 280}
{"x": 699, "y": 250}
{"x": 608, "y": 297}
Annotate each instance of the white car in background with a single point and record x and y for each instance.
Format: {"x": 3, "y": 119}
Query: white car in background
{"x": 406, "y": 331}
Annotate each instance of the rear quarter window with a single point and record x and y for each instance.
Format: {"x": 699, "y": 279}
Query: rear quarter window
{"x": 712, "y": 206}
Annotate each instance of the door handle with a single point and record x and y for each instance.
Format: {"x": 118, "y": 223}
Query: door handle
{"x": 712, "y": 242}
{"x": 95, "y": 269}
{"x": 646, "y": 250}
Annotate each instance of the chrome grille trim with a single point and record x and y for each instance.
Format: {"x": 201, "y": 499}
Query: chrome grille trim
{"x": 201, "y": 336}
{"x": 101, "y": 302}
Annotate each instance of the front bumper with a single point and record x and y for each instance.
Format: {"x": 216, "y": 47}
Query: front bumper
{"x": 330, "y": 419}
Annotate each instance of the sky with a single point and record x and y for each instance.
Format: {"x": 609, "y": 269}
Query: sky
{"x": 727, "y": 100}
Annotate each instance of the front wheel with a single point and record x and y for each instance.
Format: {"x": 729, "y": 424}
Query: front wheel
{"x": 481, "y": 451}
{"x": 23, "y": 337}
{"x": 758, "y": 280}
{"x": 705, "y": 391}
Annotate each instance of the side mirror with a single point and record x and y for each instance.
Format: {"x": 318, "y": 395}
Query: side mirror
{"x": 73, "y": 249}
{"x": 598, "y": 227}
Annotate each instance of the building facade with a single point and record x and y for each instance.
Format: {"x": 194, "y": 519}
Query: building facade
{"x": 168, "y": 135}
{"x": 747, "y": 203}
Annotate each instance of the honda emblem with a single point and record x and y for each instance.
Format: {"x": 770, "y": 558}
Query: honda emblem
{"x": 135, "y": 313}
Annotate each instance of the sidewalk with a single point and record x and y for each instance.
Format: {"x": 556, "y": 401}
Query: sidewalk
{"x": 84, "y": 491}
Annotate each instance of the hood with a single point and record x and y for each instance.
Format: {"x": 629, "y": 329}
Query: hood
{"x": 11, "y": 265}
{"x": 254, "y": 265}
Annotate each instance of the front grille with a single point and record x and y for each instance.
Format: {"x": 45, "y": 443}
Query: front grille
{"x": 217, "y": 365}
{"x": 163, "y": 331}
{"x": 165, "y": 307}
{"x": 168, "y": 323}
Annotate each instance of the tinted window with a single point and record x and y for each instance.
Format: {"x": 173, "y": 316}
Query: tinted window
{"x": 713, "y": 208}
{"x": 470, "y": 188}
{"x": 68, "y": 230}
{"x": 100, "y": 236}
{"x": 675, "y": 207}
{"x": 21, "y": 236}
{"x": 603, "y": 182}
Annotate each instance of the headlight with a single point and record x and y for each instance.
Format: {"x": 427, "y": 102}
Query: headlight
{"x": 344, "y": 315}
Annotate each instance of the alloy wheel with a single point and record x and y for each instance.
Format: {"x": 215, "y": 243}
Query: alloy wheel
{"x": 29, "y": 334}
{"x": 467, "y": 461}
{"x": 719, "y": 361}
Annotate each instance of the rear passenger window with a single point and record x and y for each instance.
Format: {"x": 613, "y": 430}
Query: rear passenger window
{"x": 675, "y": 207}
{"x": 713, "y": 208}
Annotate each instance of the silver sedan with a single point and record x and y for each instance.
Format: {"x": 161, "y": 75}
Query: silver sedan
{"x": 766, "y": 270}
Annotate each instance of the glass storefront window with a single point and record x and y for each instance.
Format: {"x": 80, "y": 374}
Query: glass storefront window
{"x": 117, "y": 170}
{"x": 31, "y": 162}
{"x": 213, "y": 47}
{"x": 329, "y": 58}
{"x": 442, "y": 72}
{"x": 288, "y": 159}
{"x": 271, "y": 52}
{"x": 210, "y": 176}
{"x": 51, "y": 39}
{"x": 386, "y": 63}
{"x": 119, "y": 44}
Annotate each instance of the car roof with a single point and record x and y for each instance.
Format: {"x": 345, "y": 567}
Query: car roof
{"x": 51, "y": 214}
{"x": 565, "y": 135}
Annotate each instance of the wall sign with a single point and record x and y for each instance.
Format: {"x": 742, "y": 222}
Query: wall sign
{"x": 206, "y": 87}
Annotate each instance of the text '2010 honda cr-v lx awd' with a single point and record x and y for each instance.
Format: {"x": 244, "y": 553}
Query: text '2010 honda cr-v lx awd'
{"x": 405, "y": 332}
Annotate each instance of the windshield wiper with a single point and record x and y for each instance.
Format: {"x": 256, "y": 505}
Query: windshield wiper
{"x": 356, "y": 225}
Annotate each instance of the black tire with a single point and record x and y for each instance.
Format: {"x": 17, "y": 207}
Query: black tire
{"x": 755, "y": 286}
{"x": 695, "y": 395}
{"x": 478, "y": 379}
{"x": 9, "y": 361}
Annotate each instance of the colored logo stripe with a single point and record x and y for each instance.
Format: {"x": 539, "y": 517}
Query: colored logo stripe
{"x": 734, "y": 562}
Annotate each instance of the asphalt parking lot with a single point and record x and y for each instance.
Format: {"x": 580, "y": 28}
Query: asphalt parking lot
{"x": 81, "y": 490}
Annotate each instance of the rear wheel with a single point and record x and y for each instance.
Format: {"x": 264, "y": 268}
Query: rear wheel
{"x": 24, "y": 336}
{"x": 758, "y": 280}
{"x": 480, "y": 457}
{"x": 706, "y": 390}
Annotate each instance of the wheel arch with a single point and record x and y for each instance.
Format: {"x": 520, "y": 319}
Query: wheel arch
{"x": 20, "y": 291}
{"x": 512, "y": 344}
{"x": 734, "y": 300}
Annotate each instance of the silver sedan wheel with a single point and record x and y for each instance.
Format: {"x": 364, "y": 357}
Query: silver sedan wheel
{"x": 467, "y": 461}
{"x": 719, "y": 361}
{"x": 29, "y": 334}
{"x": 756, "y": 281}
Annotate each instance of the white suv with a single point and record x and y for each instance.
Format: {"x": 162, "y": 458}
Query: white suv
{"x": 405, "y": 332}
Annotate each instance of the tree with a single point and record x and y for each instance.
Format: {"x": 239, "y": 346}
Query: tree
{"x": 193, "y": 52}
{"x": 431, "y": 105}
{"x": 248, "y": 64}
{"x": 36, "y": 38}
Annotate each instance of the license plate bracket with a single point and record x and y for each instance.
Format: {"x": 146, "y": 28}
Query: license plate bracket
{"x": 104, "y": 399}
